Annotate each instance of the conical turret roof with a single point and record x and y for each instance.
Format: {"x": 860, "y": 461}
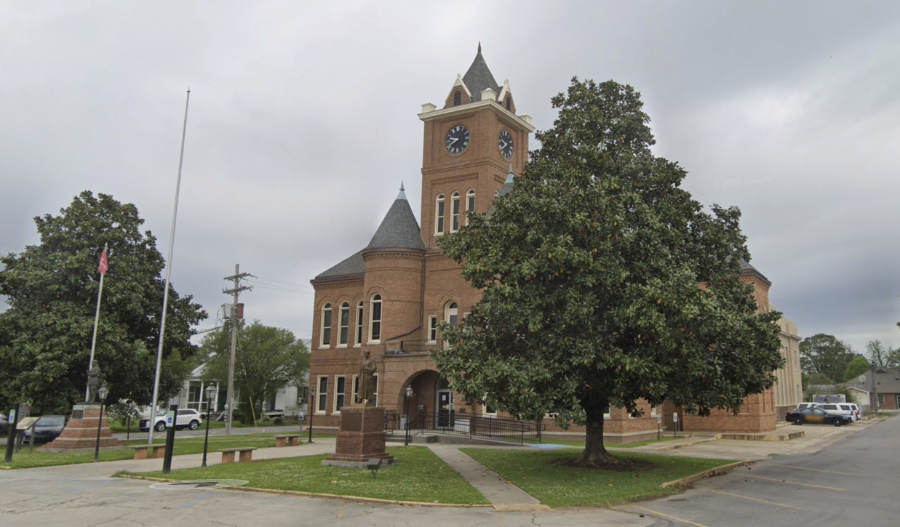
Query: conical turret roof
{"x": 479, "y": 77}
{"x": 398, "y": 229}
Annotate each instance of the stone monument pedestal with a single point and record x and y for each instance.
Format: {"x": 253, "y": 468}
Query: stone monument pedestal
{"x": 360, "y": 438}
{"x": 80, "y": 433}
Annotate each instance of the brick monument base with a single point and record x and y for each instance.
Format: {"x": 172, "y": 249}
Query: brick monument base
{"x": 360, "y": 438}
{"x": 80, "y": 433}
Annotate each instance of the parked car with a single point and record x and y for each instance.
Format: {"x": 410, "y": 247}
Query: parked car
{"x": 47, "y": 428}
{"x": 814, "y": 414}
{"x": 186, "y": 418}
{"x": 801, "y": 406}
{"x": 850, "y": 409}
{"x": 838, "y": 409}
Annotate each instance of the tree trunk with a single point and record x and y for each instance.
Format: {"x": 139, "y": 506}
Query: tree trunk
{"x": 595, "y": 455}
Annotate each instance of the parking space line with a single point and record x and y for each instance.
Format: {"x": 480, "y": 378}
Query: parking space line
{"x": 757, "y": 500}
{"x": 789, "y": 482}
{"x": 668, "y": 516}
{"x": 821, "y": 470}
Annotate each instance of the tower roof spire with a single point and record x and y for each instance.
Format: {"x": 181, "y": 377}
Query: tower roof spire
{"x": 479, "y": 77}
{"x": 402, "y": 194}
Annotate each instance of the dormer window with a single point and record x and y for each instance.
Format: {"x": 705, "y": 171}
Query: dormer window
{"x": 439, "y": 215}
{"x": 454, "y": 212}
{"x": 457, "y": 98}
{"x": 508, "y": 103}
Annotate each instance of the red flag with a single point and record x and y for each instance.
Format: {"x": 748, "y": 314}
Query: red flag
{"x": 104, "y": 263}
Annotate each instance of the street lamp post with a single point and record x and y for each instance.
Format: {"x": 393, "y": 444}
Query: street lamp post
{"x": 210, "y": 392}
{"x": 409, "y": 394}
{"x": 103, "y": 391}
{"x": 312, "y": 397}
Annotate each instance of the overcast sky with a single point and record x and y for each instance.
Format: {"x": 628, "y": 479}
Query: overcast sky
{"x": 303, "y": 124}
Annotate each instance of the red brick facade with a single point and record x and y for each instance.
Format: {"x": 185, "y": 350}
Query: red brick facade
{"x": 417, "y": 283}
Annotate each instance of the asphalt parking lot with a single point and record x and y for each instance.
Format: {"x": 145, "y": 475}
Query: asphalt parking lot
{"x": 853, "y": 481}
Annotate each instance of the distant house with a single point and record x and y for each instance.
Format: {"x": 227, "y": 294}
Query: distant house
{"x": 289, "y": 399}
{"x": 887, "y": 388}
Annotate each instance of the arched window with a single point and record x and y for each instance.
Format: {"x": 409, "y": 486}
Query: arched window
{"x": 451, "y": 314}
{"x": 359, "y": 323}
{"x": 326, "y": 325}
{"x": 470, "y": 202}
{"x": 454, "y": 212}
{"x": 439, "y": 215}
{"x": 344, "y": 333}
{"x": 375, "y": 319}
{"x": 457, "y": 98}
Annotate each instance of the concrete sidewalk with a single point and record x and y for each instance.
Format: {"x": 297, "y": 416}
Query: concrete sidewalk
{"x": 503, "y": 495}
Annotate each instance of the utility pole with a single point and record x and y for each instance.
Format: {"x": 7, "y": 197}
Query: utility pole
{"x": 236, "y": 279}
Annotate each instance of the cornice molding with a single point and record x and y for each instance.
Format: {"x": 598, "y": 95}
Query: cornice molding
{"x": 477, "y": 105}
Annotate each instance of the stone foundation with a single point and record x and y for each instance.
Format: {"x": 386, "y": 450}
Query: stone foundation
{"x": 80, "y": 433}
{"x": 360, "y": 438}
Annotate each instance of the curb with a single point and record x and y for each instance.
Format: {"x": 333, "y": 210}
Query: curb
{"x": 687, "y": 444}
{"x": 323, "y": 495}
{"x": 716, "y": 471}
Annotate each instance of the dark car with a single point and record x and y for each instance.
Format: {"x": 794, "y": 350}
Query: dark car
{"x": 47, "y": 428}
{"x": 817, "y": 415}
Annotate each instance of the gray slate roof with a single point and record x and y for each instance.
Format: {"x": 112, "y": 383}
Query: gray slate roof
{"x": 745, "y": 266}
{"x": 479, "y": 77}
{"x": 351, "y": 265}
{"x": 888, "y": 381}
{"x": 398, "y": 230}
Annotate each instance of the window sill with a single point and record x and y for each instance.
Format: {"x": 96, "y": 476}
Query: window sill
{"x": 374, "y": 342}
{"x": 341, "y": 346}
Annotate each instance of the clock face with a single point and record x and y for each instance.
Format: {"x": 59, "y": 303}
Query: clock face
{"x": 505, "y": 144}
{"x": 457, "y": 139}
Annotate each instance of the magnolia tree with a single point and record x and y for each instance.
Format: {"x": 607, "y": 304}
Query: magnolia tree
{"x": 604, "y": 282}
{"x": 51, "y": 289}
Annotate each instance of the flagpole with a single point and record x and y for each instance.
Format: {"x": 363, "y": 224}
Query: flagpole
{"x": 87, "y": 389}
{"x": 162, "y": 325}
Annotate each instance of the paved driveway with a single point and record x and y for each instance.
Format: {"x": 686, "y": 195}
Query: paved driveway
{"x": 853, "y": 481}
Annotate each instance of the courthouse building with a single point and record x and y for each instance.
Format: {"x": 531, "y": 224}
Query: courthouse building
{"x": 388, "y": 297}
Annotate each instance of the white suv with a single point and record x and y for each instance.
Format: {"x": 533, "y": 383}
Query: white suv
{"x": 838, "y": 409}
{"x": 186, "y": 418}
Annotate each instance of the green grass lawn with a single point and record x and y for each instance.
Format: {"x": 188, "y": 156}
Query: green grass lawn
{"x": 418, "y": 475}
{"x": 563, "y": 486}
{"x": 119, "y": 427}
{"x": 183, "y": 445}
{"x": 580, "y": 444}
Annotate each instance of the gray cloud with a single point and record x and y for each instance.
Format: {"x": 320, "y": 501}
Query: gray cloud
{"x": 303, "y": 124}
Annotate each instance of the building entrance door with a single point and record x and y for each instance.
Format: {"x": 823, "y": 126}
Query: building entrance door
{"x": 445, "y": 408}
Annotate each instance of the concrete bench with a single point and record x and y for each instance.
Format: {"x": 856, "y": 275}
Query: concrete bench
{"x": 244, "y": 454}
{"x": 287, "y": 440}
{"x": 149, "y": 451}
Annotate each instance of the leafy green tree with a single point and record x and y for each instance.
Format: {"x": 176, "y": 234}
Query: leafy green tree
{"x": 590, "y": 268}
{"x": 881, "y": 356}
{"x": 51, "y": 289}
{"x": 825, "y": 354}
{"x": 856, "y": 367}
{"x": 267, "y": 358}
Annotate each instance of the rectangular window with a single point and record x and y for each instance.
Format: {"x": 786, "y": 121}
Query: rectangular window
{"x": 345, "y": 325}
{"x": 323, "y": 395}
{"x": 359, "y": 324}
{"x": 454, "y": 212}
{"x": 439, "y": 223}
{"x": 470, "y": 206}
{"x": 338, "y": 393}
{"x": 326, "y": 325}
{"x": 375, "y": 390}
{"x": 376, "y": 320}
{"x": 355, "y": 394}
{"x": 432, "y": 329}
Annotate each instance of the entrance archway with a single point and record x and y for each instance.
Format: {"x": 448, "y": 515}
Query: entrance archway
{"x": 422, "y": 404}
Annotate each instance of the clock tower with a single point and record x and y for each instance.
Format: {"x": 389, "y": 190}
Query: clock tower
{"x": 470, "y": 146}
